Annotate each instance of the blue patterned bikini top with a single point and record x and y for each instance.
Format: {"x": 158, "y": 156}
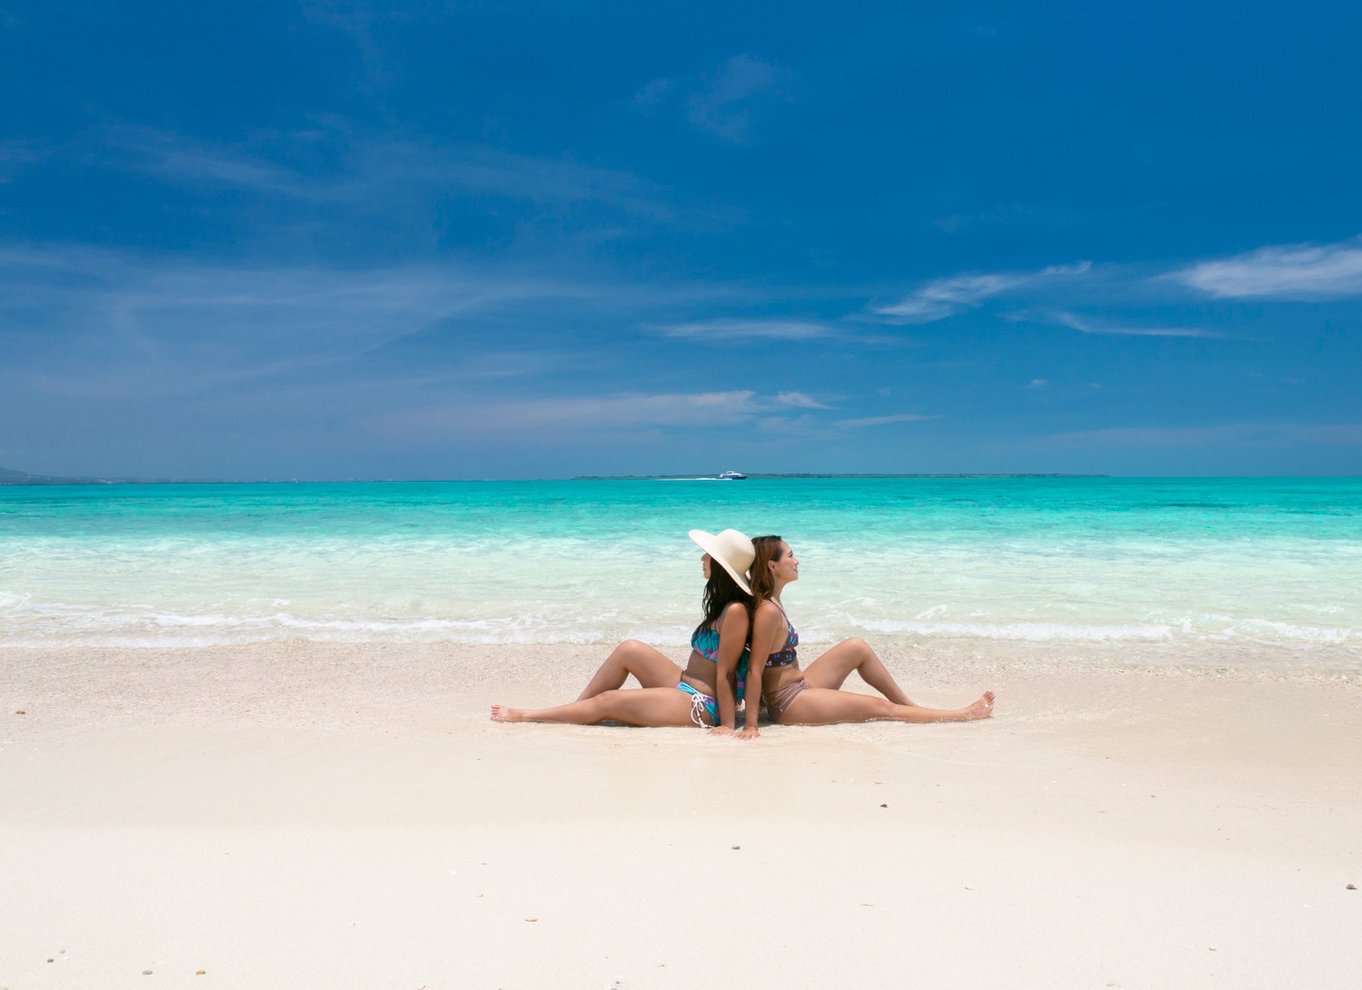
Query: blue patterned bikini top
{"x": 787, "y": 655}
{"x": 706, "y": 643}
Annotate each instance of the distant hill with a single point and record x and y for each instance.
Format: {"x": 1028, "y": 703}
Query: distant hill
{"x": 9, "y": 476}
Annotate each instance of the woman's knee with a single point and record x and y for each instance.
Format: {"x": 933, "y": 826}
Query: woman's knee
{"x": 628, "y": 652}
{"x": 605, "y": 704}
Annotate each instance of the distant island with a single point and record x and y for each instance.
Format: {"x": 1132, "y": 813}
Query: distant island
{"x": 11, "y": 477}
{"x": 8, "y": 476}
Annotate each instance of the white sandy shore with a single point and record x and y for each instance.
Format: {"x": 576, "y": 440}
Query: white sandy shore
{"x": 315, "y": 816}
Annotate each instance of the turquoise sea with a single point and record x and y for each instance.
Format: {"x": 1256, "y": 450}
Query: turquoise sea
{"x": 1261, "y": 566}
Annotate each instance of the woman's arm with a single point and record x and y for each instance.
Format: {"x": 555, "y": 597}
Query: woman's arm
{"x": 753, "y": 694}
{"x": 732, "y": 639}
{"x": 768, "y": 633}
{"x": 767, "y": 627}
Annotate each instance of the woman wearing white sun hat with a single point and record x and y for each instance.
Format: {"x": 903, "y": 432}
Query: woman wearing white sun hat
{"x": 702, "y": 694}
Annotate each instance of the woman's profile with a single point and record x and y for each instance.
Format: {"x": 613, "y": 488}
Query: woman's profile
{"x": 814, "y": 695}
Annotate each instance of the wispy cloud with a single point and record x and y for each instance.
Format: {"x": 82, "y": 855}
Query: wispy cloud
{"x": 1214, "y": 436}
{"x": 945, "y": 297}
{"x": 366, "y": 23}
{"x": 722, "y": 102}
{"x": 1295, "y": 271}
{"x": 190, "y": 162}
{"x": 800, "y": 400}
{"x": 631, "y": 411}
{"x": 1103, "y": 328}
{"x": 723, "y": 106}
{"x": 375, "y": 172}
{"x": 171, "y": 327}
{"x": 739, "y": 329}
{"x": 514, "y": 176}
{"x": 856, "y": 424}
{"x": 576, "y": 413}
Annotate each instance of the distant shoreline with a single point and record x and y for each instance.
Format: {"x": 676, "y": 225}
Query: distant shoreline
{"x": 16, "y": 479}
{"x": 815, "y": 475}
{"x": 12, "y": 478}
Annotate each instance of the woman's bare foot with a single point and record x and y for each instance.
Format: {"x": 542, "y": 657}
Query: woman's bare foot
{"x": 982, "y": 708}
{"x": 500, "y": 713}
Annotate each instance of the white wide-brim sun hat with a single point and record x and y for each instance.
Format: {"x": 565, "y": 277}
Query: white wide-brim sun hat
{"x": 731, "y": 550}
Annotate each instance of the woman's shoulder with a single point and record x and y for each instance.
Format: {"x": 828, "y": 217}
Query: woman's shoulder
{"x": 768, "y": 609}
{"x": 734, "y": 609}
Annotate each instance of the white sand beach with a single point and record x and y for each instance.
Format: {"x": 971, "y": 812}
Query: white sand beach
{"x": 310, "y": 815}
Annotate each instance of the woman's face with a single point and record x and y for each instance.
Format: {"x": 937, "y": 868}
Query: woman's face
{"x": 705, "y": 561}
{"x": 786, "y": 569}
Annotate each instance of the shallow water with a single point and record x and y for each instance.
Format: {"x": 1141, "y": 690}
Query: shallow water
{"x": 1184, "y": 566}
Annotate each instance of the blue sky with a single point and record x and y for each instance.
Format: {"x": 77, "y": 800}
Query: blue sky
{"x": 446, "y": 240}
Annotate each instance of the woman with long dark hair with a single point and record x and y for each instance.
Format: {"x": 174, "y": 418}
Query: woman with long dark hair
{"x": 814, "y": 695}
{"x": 707, "y": 691}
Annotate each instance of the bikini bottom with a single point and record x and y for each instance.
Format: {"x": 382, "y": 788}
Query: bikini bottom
{"x": 779, "y": 699}
{"x": 701, "y": 702}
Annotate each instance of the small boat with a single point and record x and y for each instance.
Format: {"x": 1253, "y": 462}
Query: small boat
{"x": 732, "y": 476}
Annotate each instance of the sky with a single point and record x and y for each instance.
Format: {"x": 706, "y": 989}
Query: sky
{"x": 434, "y": 240}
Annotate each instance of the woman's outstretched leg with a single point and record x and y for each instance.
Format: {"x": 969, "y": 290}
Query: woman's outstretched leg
{"x": 825, "y": 706}
{"x": 650, "y": 668}
{"x": 833, "y": 667}
{"x": 646, "y": 707}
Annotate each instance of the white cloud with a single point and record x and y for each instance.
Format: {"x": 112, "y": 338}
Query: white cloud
{"x": 855, "y": 424}
{"x": 1297, "y": 271}
{"x": 800, "y": 400}
{"x": 734, "y": 329}
{"x": 945, "y": 297}
{"x": 1038, "y": 383}
{"x": 1085, "y": 325}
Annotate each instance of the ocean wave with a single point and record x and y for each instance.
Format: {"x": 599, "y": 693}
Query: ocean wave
{"x": 140, "y": 628}
{"x": 1030, "y": 632}
{"x": 127, "y": 625}
{"x": 1263, "y": 630}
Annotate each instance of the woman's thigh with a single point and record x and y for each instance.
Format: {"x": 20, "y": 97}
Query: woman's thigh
{"x": 650, "y": 666}
{"x": 832, "y": 668}
{"x": 655, "y": 707}
{"x": 828, "y": 706}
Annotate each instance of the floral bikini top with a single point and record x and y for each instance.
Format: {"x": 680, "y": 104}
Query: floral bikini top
{"x": 788, "y": 655}
{"x": 706, "y": 643}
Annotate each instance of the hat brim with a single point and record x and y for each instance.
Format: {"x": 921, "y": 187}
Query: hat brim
{"x": 710, "y": 545}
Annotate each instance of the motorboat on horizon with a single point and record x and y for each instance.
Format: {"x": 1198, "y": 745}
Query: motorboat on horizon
{"x": 732, "y": 476}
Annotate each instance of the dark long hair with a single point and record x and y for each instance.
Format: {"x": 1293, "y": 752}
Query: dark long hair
{"x": 768, "y": 548}
{"x": 722, "y": 591}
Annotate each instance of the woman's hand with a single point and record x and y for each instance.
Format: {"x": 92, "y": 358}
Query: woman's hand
{"x": 720, "y": 730}
{"x": 748, "y": 732}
